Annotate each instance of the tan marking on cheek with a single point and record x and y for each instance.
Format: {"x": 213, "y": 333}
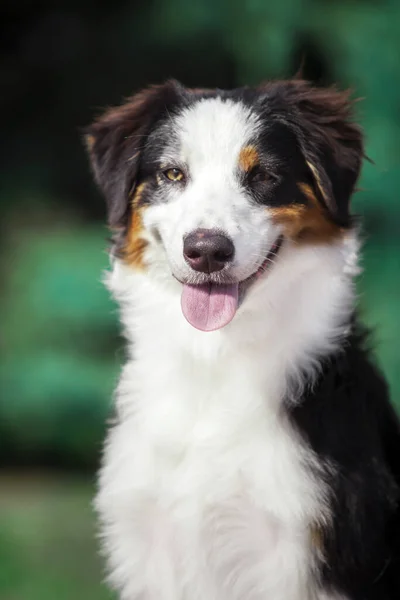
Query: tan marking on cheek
{"x": 306, "y": 223}
{"x": 138, "y": 194}
{"x": 248, "y": 158}
{"x": 135, "y": 244}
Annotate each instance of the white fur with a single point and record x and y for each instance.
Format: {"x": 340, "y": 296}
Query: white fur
{"x": 211, "y": 135}
{"x": 206, "y": 491}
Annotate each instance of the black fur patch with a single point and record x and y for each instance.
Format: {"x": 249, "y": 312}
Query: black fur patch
{"x": 116, "y": 141}
{"x": 331, "y": 144}
{"x": 348, "y": 421}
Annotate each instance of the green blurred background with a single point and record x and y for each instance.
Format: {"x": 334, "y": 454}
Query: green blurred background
{"x": 60, "y": 63}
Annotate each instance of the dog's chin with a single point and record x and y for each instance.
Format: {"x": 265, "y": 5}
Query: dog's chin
{"x": 210, "y": 302}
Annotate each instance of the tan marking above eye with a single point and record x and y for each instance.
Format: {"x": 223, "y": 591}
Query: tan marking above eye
{"x": 174, "y": 174}
{"x": 248, "y": 158}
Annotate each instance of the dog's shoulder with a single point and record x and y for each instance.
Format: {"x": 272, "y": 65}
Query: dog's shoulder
{"x": 350, "y": 423}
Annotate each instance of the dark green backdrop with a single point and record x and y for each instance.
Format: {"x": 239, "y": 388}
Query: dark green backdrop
{"x": 61, "y": 62}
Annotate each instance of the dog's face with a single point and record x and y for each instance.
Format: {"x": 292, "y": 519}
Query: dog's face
{"x": 212, "y": 184}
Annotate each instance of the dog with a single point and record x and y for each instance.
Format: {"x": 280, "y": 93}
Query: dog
{"x": 254, "y": 453}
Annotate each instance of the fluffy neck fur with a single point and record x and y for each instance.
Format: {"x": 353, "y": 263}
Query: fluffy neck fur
{"x": 297, "y": 314}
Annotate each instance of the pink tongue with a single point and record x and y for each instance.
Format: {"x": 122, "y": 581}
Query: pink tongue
{"x": 209, "y": 306}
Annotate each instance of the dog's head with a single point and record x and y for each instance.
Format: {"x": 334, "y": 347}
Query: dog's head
{"x": 213, "y": 183}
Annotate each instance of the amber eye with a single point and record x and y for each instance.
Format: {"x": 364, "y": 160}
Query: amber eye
{"x": 174, "y": 174}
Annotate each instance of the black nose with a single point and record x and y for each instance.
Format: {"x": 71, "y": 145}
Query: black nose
{"x": 207, "y": 250}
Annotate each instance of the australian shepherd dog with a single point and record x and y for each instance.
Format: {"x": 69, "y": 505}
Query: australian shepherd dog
{"x": 254, "y": 453}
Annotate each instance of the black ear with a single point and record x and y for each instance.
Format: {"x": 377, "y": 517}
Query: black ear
{"x": 115, "y": 140}
{"x": 331, "y": 143}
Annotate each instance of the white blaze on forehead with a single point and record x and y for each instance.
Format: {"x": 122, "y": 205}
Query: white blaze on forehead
{"x": 213, "y": 131}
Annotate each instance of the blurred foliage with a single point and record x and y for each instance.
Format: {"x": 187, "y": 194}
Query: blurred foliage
{"x": 47, "y": 541}
{"x": 61, "y": 62}
{"x": 58, "y": 372}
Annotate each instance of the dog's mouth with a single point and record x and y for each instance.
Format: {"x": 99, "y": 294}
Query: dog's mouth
{"x": 210, "y": 306}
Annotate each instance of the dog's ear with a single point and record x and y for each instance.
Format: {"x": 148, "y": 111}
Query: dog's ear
{"x": 331, "y": 143}
{"x": 115, "y": 141}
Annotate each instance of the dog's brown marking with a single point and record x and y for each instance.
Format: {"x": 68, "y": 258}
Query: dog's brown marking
{"x": 307, "y": 223}
{"x": 248, "y": 158}
{"x": 135, "y": 245}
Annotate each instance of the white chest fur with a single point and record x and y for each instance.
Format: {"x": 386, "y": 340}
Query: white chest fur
{"x": 206, "y": 491}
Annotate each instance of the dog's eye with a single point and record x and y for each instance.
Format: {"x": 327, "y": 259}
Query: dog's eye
{"x": 258, "y": 175}
{"x": 174, "y": 174}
